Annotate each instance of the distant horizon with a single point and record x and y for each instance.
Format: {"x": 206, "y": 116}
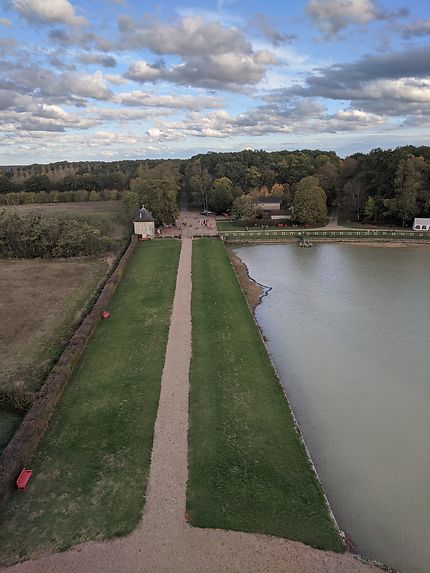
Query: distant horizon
{"x": 104, "y": 160}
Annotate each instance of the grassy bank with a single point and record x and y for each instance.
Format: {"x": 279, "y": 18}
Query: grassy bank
{"x": 248, "y": 469}
{"x": 91, "y": 470}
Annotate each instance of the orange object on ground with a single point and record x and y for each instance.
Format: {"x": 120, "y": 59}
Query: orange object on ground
{"x": 23, "y": 478}
{"x": 105, "y": 314}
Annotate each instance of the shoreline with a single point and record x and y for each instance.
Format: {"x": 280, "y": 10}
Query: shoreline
{"x": 253, "y": 290}
{"x": 385, "y": 243}
{"x": 254, "y": 293}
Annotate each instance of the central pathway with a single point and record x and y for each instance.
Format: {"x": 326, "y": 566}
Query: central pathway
{"x": 164, "y": 542}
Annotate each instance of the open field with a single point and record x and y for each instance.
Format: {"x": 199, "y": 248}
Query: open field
{"x": 105, "y": 213}
{"x": 91, "y": 470}
{"x": 39, "y": 302}
{"x": 248, "y": 468}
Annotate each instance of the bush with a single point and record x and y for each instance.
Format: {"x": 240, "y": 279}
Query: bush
{"x": 32, "y": 236}
{"x": 78, "y": 239}
{"x": 15, "y": 400}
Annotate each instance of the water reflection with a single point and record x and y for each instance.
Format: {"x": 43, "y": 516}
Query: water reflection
{"x": 349, "y": 331}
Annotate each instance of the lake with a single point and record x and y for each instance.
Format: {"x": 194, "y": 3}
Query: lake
{"x": 348, "y": 328}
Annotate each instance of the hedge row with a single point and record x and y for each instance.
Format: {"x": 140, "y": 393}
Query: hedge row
{"x": 20, "y": 449}
{"x": 30, "y": 197}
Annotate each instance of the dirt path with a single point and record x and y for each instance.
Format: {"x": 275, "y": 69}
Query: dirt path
{"x": 164, "y": 542}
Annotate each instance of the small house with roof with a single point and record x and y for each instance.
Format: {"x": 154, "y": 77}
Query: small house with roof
{"x": 144, "y": 223}
{"x": 421, "y": 224}
{"x": 269, "y": 203}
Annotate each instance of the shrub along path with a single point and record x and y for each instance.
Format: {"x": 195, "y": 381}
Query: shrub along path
{"x": 164, "y": 542}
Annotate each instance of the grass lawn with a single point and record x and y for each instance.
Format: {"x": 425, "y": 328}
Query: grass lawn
{"x": 238, "y": 226}
{"x": 91, "y": 471}
{"x": 248, "y": 469}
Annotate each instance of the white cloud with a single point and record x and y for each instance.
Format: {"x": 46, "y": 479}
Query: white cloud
{"x": 139, "y": 98}
{"x": 351, "y": 120}
{"x": 48, "y": 12}
{"x": 87, "y": 85}
{"x": 417, "y": 28}
{"x": 189, "y": 36}
{"x": 115, "y": 79}
{"x": 98, "y": 59}
{"x": 332, "y": 16}
{"x": 294, "y": 117}
{"x": 229, "y": 71}
{"x": 141, "y": 71}
{"x": 43, "y": 117}
{"x": 5, "y": 22}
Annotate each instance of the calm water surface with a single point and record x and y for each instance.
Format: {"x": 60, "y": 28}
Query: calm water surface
{"x": 348, "y": 328}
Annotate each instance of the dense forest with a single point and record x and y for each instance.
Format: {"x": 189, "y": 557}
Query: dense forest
{"x": 380, "y": 187}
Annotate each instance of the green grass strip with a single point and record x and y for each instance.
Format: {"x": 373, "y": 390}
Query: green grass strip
{"x": 248, "y": 468}
{"x": 91, "y": 471}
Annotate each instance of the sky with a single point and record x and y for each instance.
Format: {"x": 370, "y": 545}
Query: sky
{"x": 126, "y": 79}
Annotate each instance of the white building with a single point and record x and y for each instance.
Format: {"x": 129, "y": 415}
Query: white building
{"x": 269, "y": 203}
{"x": 144, "y": 223}
{"x": 421, "y": 224}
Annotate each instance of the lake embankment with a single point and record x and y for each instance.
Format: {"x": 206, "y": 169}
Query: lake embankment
{"x": 252, "y": 290}
{"x": 248, "y": 468}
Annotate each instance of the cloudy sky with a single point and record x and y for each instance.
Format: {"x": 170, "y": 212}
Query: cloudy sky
{"x": 125, "y": 79}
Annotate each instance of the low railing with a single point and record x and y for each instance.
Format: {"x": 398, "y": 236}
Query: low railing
{"x": 321, "y": 234}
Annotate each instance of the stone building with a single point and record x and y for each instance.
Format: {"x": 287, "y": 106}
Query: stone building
{"x": 143, "y": 223}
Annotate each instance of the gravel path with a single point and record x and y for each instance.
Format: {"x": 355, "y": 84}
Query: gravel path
{"x": 164, "y": 542}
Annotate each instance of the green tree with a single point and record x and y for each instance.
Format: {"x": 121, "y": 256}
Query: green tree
{"x": 370, "y": 210}
{"x": 94, "y": 196}
{"x": 198, "y": 182}
{"x": 79, "y": 239}
{"x": 253, "y": 177}
{"x": 6, "y": 185}
{"x": 130, "y": 205}
{"x": 310, "y": 202}
{"x": 354, "y": 196}
{"x": 159, "y": 197}
{"x": 244, "y": 208}
{"x": 221, "y": 197}
{"x": 407, "y": 184}
{"x": 37, "y": 183}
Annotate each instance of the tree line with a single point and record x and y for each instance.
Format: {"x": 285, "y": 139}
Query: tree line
{"x": 30, "y": 197}
{"x": 66, "y": 176}
{"x": 380, "y": 187}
